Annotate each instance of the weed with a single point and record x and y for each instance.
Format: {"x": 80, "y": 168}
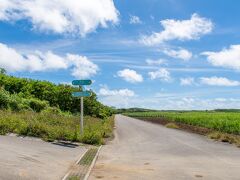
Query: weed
{"x": 172, "y": 125}
{"x": 73, "y": 178}
{"x": 232, "y": 139}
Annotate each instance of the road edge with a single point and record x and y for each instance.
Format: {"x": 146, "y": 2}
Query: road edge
{"x": 78, "y": 160}
{"x": 92, "y": 164}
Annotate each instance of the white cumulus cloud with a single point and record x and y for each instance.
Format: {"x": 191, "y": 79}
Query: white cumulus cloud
{"x": 130, "y": 76}
{"x": 182, "y": 30}
{"x": 179, "y": 54}
{"x": 116, "y": 97}
{"x": 82, "y": 66}
{"x": 187, "y": 81}
{"x": 227, "y": 58}
{"x": 14, "y": 61}
{"x": 218, "y": 81}
{"x": 105, "y": 91}
{"x": 135, "y": 20}
{"x": 61, "y": 16}
{"x": 162, "y": 74}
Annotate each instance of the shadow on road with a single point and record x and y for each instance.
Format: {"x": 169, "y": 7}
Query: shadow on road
{"x": 65, "y": 144}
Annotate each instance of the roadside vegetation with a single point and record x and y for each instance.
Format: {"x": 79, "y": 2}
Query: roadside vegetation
{"x": 54, "y": 126}
{"x": 46, "y": 110}
{"x": 20, "y": 94}
{"x": 221, "y": 125}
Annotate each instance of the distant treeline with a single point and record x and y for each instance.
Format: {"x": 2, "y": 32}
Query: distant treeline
{"x": 129, "y": 110}
{"x": 21, "y": 93}
{"x": 227, "y": 110}
{"x": 125, "y": 110}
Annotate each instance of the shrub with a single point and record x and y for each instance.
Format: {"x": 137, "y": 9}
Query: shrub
{"x": 4, "y": 99}
{"x": 38, "y": 105}
{"x": 107, "y": 127}
{"x": 4, "y": 128}
{"x": 16, "y": 103}
{"x": 56, "y": 95}
{"x": 52, "y": 110}
{"x": 92, "y": 137}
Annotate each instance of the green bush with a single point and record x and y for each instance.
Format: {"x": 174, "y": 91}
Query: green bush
{"x": 56, "y": 95}
{"x": 4, "y": 99}
{"x": 4, "y": 128}
{"x": 53, "y": 110}
{"x": 16, "y": 103}
{"x": 92, "y": 137}
{"x": 38, "y": 105}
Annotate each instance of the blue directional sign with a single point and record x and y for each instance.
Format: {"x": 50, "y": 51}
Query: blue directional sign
{"x": 81, "y": 82}
{"x": 81, "y": 94}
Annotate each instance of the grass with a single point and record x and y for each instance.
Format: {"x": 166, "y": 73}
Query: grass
{"x": 50, "y": 126}
{"x": 73, "y": 178}
{"x": 232, "y": 139}
{"x": 88, "y": 157}
{"x": 225, "y": 122}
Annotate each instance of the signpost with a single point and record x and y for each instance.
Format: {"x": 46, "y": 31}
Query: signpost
{"x": 81, "y": 94}
{"x": 81, "y": 82}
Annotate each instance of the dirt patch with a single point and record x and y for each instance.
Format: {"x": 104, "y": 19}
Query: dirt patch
{"x": 99, "y": 177}
{"x": 150, "y": 169}
{"x": 99, "y": 166}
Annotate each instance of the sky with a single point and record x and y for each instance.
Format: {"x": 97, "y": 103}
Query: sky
{"x": 158, "y": 54}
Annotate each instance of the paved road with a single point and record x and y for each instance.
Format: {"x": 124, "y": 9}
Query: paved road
{"x": 31, "y": 158}
{"x": 146, "y": 151}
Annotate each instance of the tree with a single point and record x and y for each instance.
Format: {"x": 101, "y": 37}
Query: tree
{"x": 3, "y": 71}
{"x": 59, "y": 96}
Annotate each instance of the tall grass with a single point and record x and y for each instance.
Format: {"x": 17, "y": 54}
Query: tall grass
{"x": 228, "y": 122}
{"x": 54, "y": 126}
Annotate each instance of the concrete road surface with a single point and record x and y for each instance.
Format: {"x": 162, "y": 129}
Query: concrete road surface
{"x": 34, "y": 159}
{"x": 146, "y": 151}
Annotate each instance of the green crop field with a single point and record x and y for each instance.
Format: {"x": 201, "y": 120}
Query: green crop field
{"x": 227, "y": 122}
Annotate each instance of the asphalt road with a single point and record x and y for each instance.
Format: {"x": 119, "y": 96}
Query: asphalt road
{"x": 34, "y": 159}
{"x": 146, "y": 151}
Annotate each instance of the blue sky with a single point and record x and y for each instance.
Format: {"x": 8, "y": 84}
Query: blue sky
{"x": 161, "y": 54}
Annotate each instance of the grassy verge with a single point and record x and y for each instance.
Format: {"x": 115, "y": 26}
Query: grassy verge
{"x": 51, "y": 126}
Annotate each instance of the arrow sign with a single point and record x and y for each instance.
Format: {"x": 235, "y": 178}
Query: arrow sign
{"x": 81, "y": 82}
{"x": 82, "y": 94}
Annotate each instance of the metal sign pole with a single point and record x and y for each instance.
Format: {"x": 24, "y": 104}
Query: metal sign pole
{"x": 81, "y": 123}
{"x": 82, "y": 93}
